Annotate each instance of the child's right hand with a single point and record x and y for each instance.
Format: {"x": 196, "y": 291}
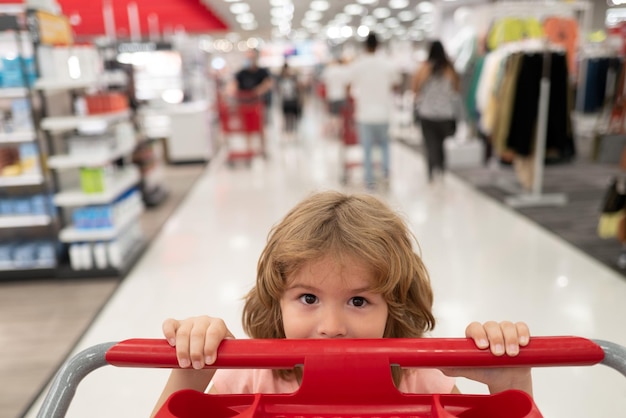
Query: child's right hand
{"x": 196, "y": 339}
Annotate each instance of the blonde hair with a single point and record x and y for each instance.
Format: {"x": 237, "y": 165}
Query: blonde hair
{"x": 337, "y": 224}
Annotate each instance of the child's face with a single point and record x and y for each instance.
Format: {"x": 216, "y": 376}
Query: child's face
{"x": 330, "y": 300}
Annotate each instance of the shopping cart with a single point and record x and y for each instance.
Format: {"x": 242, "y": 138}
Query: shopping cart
{"x": 241, "y": 114}
{"x": 341, "y": 378}
{"x": 349, "y": 141}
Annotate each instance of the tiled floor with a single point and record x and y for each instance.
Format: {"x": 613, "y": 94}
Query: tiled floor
{"x": 486, "y": 262}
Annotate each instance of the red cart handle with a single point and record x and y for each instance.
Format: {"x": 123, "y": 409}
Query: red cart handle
{"x": 425, "y": 352}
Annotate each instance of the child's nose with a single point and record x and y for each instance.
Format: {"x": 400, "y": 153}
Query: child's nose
{"x": 332, "y": 324}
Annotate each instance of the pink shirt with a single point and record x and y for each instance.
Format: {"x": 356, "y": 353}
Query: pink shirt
{"x": 230, "y": 381}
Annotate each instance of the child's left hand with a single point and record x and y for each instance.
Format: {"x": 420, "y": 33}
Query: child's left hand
{"x": 504, "y": 338}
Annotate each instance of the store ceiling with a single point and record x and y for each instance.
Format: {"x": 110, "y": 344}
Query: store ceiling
{"x": 326, "y": 18}
{"x": 412, "y": 19}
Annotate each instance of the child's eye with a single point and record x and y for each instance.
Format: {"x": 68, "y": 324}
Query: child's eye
{"x": 308, "y": 299}
{"x": 359, "y": 301}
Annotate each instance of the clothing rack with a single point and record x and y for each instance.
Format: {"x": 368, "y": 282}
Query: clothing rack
{"x": 536, "y": 197}
{"x": 539, "y": 9}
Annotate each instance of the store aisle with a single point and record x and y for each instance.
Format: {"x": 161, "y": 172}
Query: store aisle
{"x": 486, "y": 262}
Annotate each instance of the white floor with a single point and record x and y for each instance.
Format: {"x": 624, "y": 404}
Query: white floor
{"x": 486, "y": 262}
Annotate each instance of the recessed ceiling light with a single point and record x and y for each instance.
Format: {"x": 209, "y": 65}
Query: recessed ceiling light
{"x": 392, "y": 22}
{"x": 245, "y": 18}
{"x": 238, "y": 8}
{"x": 381, "y": 13}
{"x": 406, "y": 16}
{"x": 249, "y": 26}
{"x": 398, "y": 4}
{"x": 366, "y": 1}
{"x": 425, "y": 7}
{"x": 353, "y": 9}
{"x": 313, "y": 15}
{"x": 319, "y": 5}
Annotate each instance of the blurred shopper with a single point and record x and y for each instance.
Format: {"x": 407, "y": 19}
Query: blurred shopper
{"x": 334, "y": 79}
{"x": 371, "y": 80}
{"x": 254, "y": 83}
{"x": 289, "y": 91}
{"x": 436, "y": 86}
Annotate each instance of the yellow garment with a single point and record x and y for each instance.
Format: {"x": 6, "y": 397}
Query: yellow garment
{"x": 511, "y": 29}
{"x": 609, "y": 224}
{"x": 506, "y": 100}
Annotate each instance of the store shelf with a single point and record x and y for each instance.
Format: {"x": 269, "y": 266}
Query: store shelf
{"x": 17, "y": 137}
{"x": 53, "y": 85}
{"x": 66, "y": 123}
{"x": 20, "y": 273}
{"x": 66, "y": 271}
{"x": 124, "y": 181}
{"x": 13, "y": 92}
{"x": 61, "y": 162}
{"x": 23, "y": 180}
{"x": 71, "y": 234}
{"x": 24, "y": 221}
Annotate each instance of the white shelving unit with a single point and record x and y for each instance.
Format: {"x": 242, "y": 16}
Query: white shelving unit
{"x": 17, "y": 137}
{"x": 67, "y": 123}
{"x": 24, "y": 221}
{"x": 72, "y": 198}
{"x": 62, "y": 85}
{"x": 23, "y": 180}
{"x": 13, "y": 92}
{"x": 16, "y": 99}
{"x": 63, "y": 162}
{"x": 72, "y": 234}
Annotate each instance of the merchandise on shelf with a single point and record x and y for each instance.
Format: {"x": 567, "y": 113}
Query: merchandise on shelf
{"x": 12, "y": 74}
{"x": 109, "y": 254}
{"x": 69, "y": 63}
{"x": 109, "y": 216}
{"x": 106, "y": 102}
{"x": 27, "y": 254}
{"x": 21, "y": 117}
{"x": 17, "y": 205}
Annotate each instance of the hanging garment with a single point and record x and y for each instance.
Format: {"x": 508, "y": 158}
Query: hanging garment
{"x": 563, "y": 31}
{"x": 509, "y": 29}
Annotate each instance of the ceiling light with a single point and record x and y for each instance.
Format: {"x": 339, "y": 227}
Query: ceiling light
{"x": 279, "y": 2}
{"x": 237, "y": 8}
{"x": 369, "y": 21}
{"x": 319, "y": 5}
{"x": 353, "y": 9}
{"x": 249, "y": 26}
{"x": 245, "y": 18}
{"x": 425, "y": 7}
{"x": 346, "y": 31}
{"x": 313, "y": 15}
{"x": 342, "y": 18}
{"x": 363, "y": 31}
{"x": 392, "y": 22}
{"x": 381, "y": 13}
{"x": 406, "y": 16}
{"x": 278, "y": 12}
{"x": 366, "y": 1}
{"x": 398, "y": 4}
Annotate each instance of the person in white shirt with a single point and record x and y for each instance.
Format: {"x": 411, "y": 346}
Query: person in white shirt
{"x": 335, "y": 81}
{"x": 371, "y": 83}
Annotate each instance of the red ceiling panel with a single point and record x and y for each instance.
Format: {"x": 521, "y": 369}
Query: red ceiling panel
{"x": 191, "y": 15}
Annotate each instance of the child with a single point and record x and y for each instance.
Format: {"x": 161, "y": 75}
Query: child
{"x": 337, "y": 266}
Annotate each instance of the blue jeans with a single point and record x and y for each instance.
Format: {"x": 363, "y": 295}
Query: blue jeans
{"x": 370, "y": 135}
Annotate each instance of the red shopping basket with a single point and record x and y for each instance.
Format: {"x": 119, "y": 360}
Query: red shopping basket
{"x": 341, "y": 378}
